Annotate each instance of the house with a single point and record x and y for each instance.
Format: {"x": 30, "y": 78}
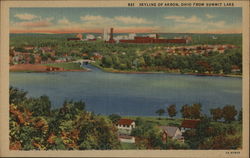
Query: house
{"x": 235, "y": 68}
{"x": 172, "y": 133}
{"x": 125, "y": 126}
{"x": 126, "y": 139}
{"x": 189, "y": 124}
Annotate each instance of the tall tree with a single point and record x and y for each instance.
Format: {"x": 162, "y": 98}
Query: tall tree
{"x": 196, "y": 111}
{"x": 229, "y": 113}
{"x": 186, "y": 111}
{"x": 216, "y": 113}
{"x": 171, "y": 109}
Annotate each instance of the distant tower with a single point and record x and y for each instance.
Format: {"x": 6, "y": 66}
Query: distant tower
{"x": 111, "y": 38}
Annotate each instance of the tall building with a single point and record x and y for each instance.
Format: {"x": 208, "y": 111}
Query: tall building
{"x": 105, "y": 34}
{"x": 111, "y": 38}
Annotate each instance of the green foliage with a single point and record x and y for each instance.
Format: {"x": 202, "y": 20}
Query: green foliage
{"x": 229, "y": 113}
{"x": 172, "y": 110}
{"x": 114, "y": 118}
{"x": 240, "y": 116}
{"x": 16, "y": 96}
{"x": 33, "y": 125}
{"x": 67, "y": 66}
{"x": 216, "y": 113}
{"x": 138, "y": 57}
{"x": 191, "y": 111}
{"x": 39, "y": 106}
{"x": 174, "y": 144}
{"x": 160, "y": 112}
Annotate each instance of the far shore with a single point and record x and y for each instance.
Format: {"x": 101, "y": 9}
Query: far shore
{"x": 40, "y": 68}
{"x": 46, "y": 68}
{"x": 165, "y": 72}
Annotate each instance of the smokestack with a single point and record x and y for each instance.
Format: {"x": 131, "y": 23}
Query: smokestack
{"x": 111, "y": 34}
{"x": 157, "y": 36}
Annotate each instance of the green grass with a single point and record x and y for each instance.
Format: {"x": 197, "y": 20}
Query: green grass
{"x": 163, "y": 121}
{"x": 128, "y": 146}
{"x": 66, "y": 66}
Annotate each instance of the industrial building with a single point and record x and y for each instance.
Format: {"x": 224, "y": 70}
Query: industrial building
{"x": 77, "y": 38}
{"x": 147, "y": 39}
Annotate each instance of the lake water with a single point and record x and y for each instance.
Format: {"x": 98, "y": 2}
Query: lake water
{"x": 131, "y": 94}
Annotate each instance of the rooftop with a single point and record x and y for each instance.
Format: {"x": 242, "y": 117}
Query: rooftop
{"x": 170, "y": 130}
{"x": 125, "y": 122}
{"x": 190, "y": 123}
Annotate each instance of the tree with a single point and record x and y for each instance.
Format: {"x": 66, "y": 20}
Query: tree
{"x": 39, "y": 106}
{"x": 172, "y": 110}
{"x": 186, "y": 111}
{"x": 107, "y": 61}
{"x": 114, "y": 118}
{"x": 160, "y": 112}
{"x": 16, "y": 96}
{"x": 196, "y": 111}
{"x": 229, "y": 113}
{"x": 240, "y": 116}
{"x": 216, "y": 113}
{"x": 80, "y": 105}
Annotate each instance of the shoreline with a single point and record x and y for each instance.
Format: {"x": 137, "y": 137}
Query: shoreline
{"x": 28, "y": 68}
{"x": 39, "y": 68}
{"x": 162, "y": 72}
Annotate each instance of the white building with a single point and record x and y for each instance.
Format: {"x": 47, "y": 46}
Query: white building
{"x": 105, "y": 34}
{"x": 90, "y": 36}
{"x": 125, "y": 126}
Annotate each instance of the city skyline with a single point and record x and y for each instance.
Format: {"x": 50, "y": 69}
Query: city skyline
{"x": 126, "y": 20}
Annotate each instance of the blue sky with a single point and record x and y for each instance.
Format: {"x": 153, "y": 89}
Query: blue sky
{"x": 187, "y": 20}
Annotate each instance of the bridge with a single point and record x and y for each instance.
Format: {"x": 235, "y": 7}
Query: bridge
{"x": 84, "y": 61}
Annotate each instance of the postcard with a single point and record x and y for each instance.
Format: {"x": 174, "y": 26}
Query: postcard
{"x": 124, "y": 78}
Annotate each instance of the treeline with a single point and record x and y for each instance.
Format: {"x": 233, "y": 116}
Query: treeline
{"x": 35, "y": 126}
{"x": 211, "y": 62}
{"x": 227, "y": 113}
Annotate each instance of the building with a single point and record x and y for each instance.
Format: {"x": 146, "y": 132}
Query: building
{"x": 105, "y": 34}
{"x": 77, "y": 38}
{"x": 172, "y": 133}
{"x": 235, "y": 68}
{"x": 111, "y": 38}
{"x": 132, "y": 38}
{"x": 79, "y": 35}
{"x": 126, "y": 139}
{"x": 189, "y": 124}
{"x": 125, "y": 126}
{"x": 156, "y": 39}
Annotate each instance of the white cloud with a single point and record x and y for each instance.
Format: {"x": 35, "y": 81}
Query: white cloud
{"x": 102, "y": 20}
{"x": 219, "y": 24}
{"x": 64, "y": 21}
{"x": 37, "y": 23}
{"x": 193, "y": 19}
{"x": 182, "y": 19}
{"x": 176, "y": 18}
{"x": 131, "y": 20}
{"x": 94, "y": 18}
{"x": 209, "y": 16}
{"x": 26, "y": 16}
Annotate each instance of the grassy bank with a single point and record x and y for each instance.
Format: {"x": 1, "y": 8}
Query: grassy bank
{"x": 66, "y": 66}
{"x": 160, "y": 72}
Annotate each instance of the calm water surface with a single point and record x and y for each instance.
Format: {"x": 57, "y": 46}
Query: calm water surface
{"x": 131, "y": 94}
